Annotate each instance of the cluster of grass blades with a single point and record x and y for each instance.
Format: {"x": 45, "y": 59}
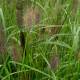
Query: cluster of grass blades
{"x": 52, "y": 44}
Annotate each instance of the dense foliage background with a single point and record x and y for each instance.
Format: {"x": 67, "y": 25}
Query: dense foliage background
{"x": 39, "y": 39}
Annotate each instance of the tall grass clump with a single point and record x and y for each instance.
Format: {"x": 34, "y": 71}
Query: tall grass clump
{"x": 41, "y": 39}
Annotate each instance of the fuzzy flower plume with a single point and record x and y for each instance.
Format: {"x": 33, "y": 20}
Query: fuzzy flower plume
{"x": 22, "y": 39}
{"x": 31, "y": 18}
{"x": 37, "y": 16}
{"x": 2, "y": 40}
{"x": 28, "y": 19}
{"x": 54, "y": 62}
{"x": 19, "y": 13}
{"x": 15, "y": 54}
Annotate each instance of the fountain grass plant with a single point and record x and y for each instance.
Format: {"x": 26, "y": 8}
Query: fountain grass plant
{"x": 51, "y": 33}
